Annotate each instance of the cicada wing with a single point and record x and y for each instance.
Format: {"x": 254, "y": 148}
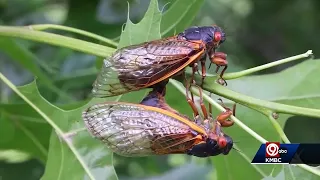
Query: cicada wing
{"x": 108, "y": 83}
{"x": 139, "y": 66}
{"x": 175, "y": 143}
{"x": 131, "y": 130}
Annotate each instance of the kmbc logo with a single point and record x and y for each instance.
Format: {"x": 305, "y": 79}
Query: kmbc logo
{"x": 273, "y": 152}
{"x": 272, "y": 149}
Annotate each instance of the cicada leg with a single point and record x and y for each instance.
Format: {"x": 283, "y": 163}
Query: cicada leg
{"x": 223, "y": 118}
{"x": 206, "y": 121}
{"x": 220, "y": 59}
{"x": 195, "y": 69}
{"x": 191, "y": 101}
{"x": 203, "y": 70}
{"x": 202, "y": 105}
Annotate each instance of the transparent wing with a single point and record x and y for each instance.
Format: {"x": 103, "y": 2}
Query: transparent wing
{"x": 131, "y": 130}
{"x": 143, "y": 65}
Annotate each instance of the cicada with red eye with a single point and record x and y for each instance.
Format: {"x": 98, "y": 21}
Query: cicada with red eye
{"x": 154, "y": 128}
{"x": 152, "y": 63}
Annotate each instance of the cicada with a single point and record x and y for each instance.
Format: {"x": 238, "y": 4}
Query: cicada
{"x": 152, "y": 63}
{"x": 154, "y": 128}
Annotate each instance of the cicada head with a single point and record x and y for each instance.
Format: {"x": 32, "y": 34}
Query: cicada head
{"x": 223, "y": 141}
{"x": 212, "y": 147}
{"x": 225, "y": 144}
{"x": 212, "y": 36}
{"x": 217, "y": 34}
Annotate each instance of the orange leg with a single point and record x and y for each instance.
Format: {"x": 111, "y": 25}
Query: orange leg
{"x": 223, "y": 117}
{"x": 191, "y": 101}
{"x": 220, "y": 59}
{"x": 192, "y": 104}
{"x": 202, "y": 105}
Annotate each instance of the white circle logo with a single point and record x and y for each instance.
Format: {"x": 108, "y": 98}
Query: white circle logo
{"x": 272, "y": 149}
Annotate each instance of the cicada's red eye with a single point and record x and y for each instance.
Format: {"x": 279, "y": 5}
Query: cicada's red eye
{"x": 222, "y": 142}
{"x": 217, "y": 36}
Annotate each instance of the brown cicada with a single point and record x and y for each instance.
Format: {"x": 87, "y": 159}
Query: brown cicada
{"x": 152, "y": 63}
{"x": 154, "y": 128}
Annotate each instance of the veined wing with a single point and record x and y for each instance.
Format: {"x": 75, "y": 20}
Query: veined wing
{"x": 139, "y": 66}
{"x": 138, "y": 130}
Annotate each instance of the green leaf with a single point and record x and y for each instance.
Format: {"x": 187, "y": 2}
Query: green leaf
{"x": 146, "y": 30}
{"x": 179, "y": 16}
{"x": 22, "y": 129}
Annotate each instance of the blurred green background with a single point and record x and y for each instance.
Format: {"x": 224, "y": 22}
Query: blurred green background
{"x": 258, "y": 32}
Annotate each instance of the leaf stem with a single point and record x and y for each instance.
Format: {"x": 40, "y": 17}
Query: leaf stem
{"x": 58, "y": 40}
{"x": 279, "y": 129}
{"x": 51, "y": 122}
{"x": 239, "y": 74}
{"x": 41, "y": 27}
{"x": 256, "y": 103}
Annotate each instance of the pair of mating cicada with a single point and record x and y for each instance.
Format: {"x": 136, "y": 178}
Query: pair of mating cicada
{"x": 153, "y": 127}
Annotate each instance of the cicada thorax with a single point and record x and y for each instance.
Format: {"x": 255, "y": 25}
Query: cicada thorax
{"x": 155, "y": 98}
{"x": 212, "y": 37}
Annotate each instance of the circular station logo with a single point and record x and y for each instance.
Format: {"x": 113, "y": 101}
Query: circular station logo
{"x": 272, "y": 149}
